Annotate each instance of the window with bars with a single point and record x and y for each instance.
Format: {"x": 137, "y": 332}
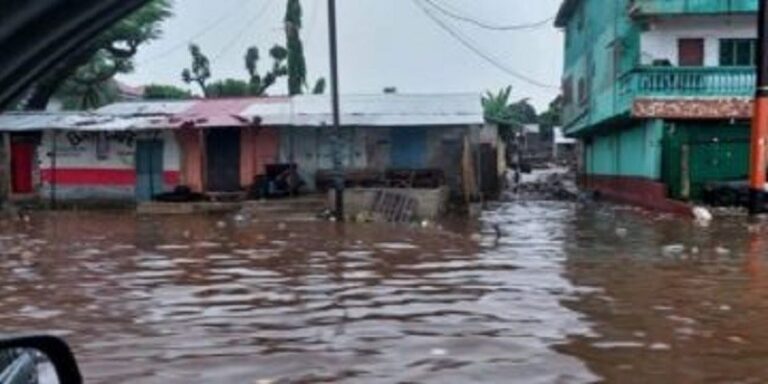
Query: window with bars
{"x": 738, "y": 52}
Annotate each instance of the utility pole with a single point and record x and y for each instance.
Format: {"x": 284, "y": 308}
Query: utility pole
{"x": 338, "y": 166}
{"x": 758, "y": 159}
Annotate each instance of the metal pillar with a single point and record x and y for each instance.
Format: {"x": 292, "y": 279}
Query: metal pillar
{"x": 758, "y": 159}
{"x": 337, "y": 160}
{"x": 54, "y": 166}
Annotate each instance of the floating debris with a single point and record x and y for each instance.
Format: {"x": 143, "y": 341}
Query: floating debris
{"x": 673, "y": 250}
{"x": 702, "y": 215}
{"x": 438, "y": 352}
{"x": 659, "y": 347}
{"x": 722, "y": 251}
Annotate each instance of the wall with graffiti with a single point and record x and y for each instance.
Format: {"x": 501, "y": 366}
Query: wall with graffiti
{"x": 99, "y": 165}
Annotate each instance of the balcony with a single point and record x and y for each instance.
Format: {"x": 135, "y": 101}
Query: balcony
{"x": 691, "y": 7}
{"x": 675, "y": 82}
{"x": 668, "y": 92}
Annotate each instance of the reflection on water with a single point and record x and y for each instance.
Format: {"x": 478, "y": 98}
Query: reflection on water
{"x": 565, "y": 294}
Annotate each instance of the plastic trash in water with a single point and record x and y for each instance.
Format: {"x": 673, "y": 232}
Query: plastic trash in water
{"x": 672, "y": 250}
{"x": 702, "y": 215}
{"x": 438, "y": 352}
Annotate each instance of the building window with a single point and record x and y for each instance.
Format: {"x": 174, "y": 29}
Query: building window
{"x": 738, "y": 52}
{"x": 567, "y": 91}
{"x": 690, "y": 52}
{"x": 583, "y": 94}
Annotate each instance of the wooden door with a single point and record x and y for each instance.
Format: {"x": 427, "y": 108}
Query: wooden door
{"x": 22, "y": 155}
{"x": 690, "y": 52}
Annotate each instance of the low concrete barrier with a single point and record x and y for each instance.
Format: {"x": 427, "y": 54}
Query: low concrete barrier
{"x": 430, "y": 204}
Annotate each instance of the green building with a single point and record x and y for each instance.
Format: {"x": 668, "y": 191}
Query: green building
{"x": 660, "y": 93}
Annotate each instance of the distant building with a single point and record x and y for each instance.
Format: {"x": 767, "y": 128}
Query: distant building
{"x": 127, "y": 92}
{"x": 659, "y": 92}
{"x": 136, "y": 150}
{"x": 563, "y": 148}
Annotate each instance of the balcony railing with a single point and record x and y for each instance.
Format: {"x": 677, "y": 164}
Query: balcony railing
{"x": 663, "y": 83}
{"x": 701, "y": 7}
{"x": 689, "y": 82}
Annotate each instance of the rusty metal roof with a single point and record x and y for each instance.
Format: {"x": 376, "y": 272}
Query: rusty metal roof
{"x": 39, "y": 121}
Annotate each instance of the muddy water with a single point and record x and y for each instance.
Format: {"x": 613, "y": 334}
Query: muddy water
{"x": 566, "y": 294}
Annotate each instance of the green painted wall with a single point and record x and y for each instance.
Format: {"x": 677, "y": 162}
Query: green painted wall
{"x": 672, "y": 7}
{"x": 630, "y": 151}
{"x": 602, "y": 44}
{"x": 696, "y": 153}
{"x": 602, "y": 47}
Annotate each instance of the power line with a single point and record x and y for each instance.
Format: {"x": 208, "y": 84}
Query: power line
{"x": 514, "y": 27}
{"x": 466, "y": 42}
{"x": 204, "y": 31}
{"x": 240, "y": 34}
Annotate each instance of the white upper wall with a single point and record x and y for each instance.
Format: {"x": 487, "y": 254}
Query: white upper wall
{"x": 660, "y": 40}
{"x": 78, "y": 150}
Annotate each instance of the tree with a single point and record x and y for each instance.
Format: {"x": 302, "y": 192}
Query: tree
{"x": 259, "y": 85}
{"x": 228, "y": 88}
{"x": 522, "y": 112}
{"x": 509, "y": 116}
{"x": 200, "y": 72}
{"x": 165, "y": 92}
{"x": 297, "y": 64}
{"x": 552, "y": 117}
{"x": 110, "y": 54}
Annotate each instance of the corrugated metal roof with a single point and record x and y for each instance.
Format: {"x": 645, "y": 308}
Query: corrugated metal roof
{"x": 38, "y": 121}
{"x": 315, "y": 110}
{"x": 373, "y": 110}
{"x": 148, "y": 108}
{"x": 223, "y": 112}
{"x": 34, "y": 121}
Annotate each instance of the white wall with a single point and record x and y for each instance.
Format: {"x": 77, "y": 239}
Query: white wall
{"x": 660, "y": 41}
{"x": 78, "y": 151}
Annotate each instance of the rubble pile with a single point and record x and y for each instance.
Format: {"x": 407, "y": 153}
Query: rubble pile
{"x": 550, "y": 184}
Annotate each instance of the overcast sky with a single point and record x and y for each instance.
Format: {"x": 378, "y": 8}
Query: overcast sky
{"x": 381, "y": 43}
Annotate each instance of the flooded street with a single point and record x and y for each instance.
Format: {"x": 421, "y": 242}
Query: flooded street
{"x": 566, "y": 294}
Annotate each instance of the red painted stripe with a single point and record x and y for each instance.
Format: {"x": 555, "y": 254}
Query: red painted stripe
{"x": 120, "y": 177}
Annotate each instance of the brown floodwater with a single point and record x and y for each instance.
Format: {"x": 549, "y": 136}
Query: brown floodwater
{"x": 568, "y": 294}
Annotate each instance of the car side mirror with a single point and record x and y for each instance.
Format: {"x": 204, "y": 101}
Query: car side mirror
{"x": 37, "y": 360}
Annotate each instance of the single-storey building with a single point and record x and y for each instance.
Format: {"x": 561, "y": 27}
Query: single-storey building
{"x": 137, "y": 150}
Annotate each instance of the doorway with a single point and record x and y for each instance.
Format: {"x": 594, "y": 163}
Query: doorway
{"x": 22, "y": 160}
{"x": 223, "y": 160}
{"x": 149, "y": 169}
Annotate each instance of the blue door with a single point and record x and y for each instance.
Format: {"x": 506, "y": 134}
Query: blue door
{"x": 409, "y": 148}
{"x": 149, "y": 169}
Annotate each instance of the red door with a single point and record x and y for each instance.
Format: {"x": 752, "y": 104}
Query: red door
{"x": 21, "y": 167}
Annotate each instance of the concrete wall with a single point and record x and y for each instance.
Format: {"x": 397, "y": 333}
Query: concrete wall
{"x": 431, "y": 203}
{"x": 660, "y": 41}
{"x": 312, "y": 149}
{"x": 371, "y": 147}
{"x": 99, "y": 166}
{"x": 629, "y": 151}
